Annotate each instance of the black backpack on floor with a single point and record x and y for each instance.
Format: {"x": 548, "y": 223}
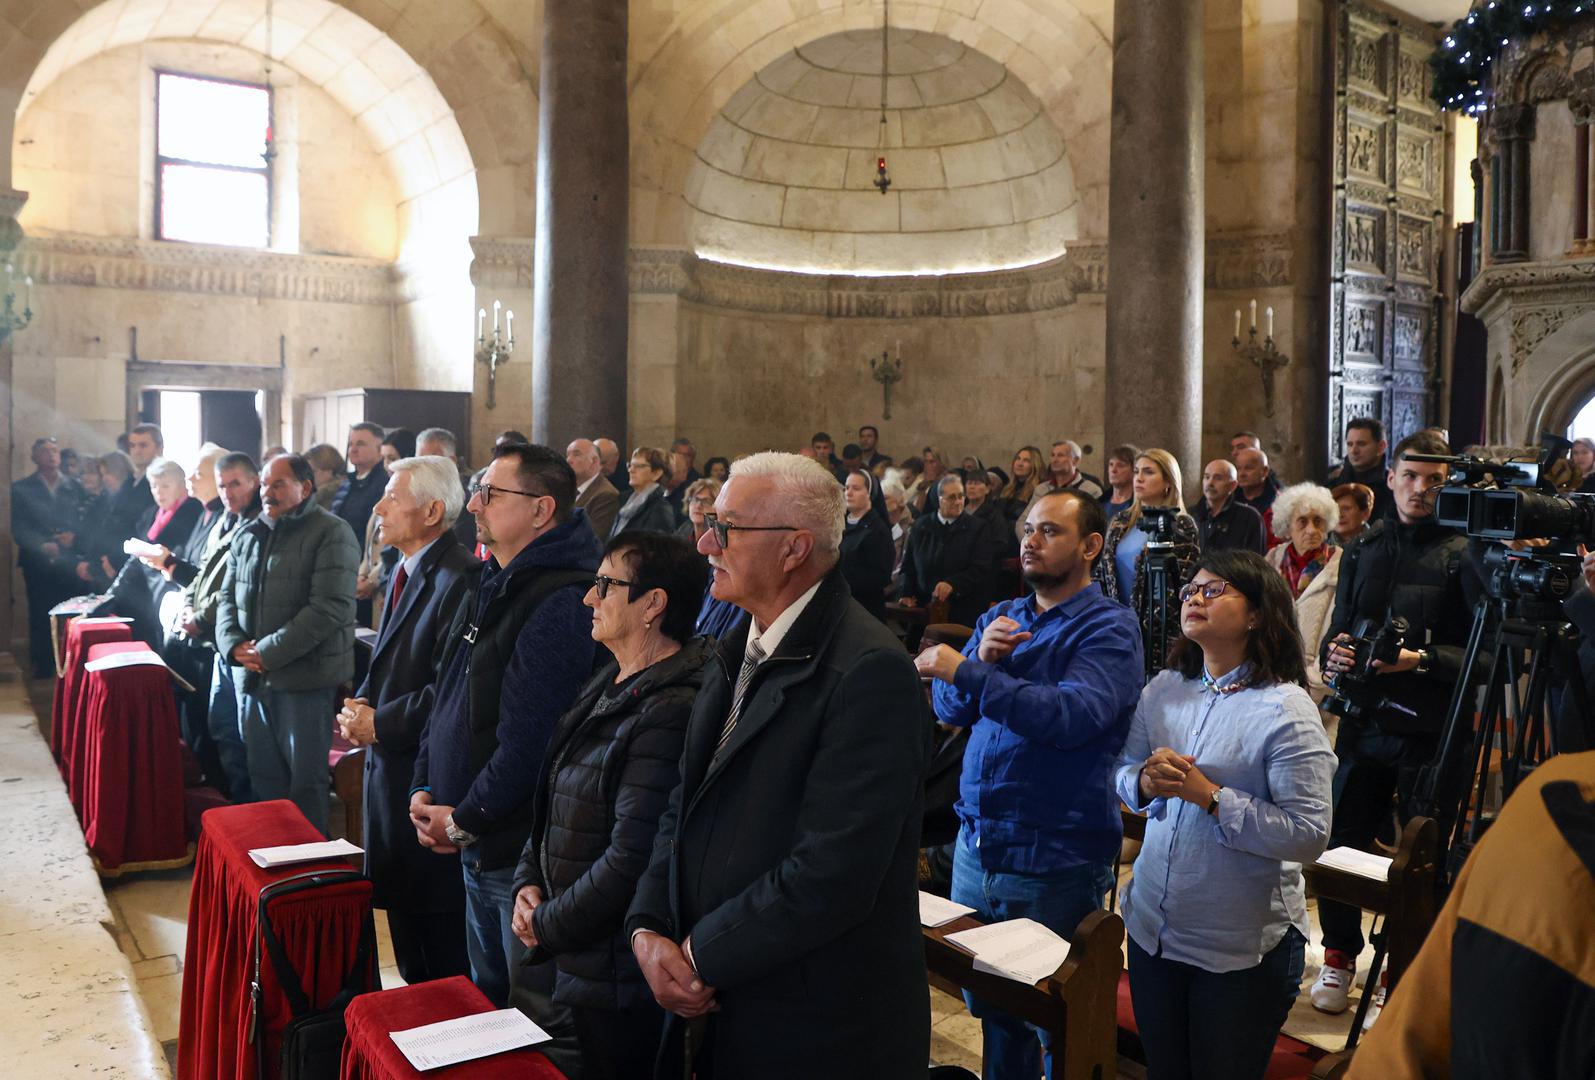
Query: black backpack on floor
{"x": 312, "y": 1040}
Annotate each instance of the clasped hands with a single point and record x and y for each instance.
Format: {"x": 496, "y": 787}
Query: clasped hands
{"x": 357, "y": 721}
{"x": 1168, "y": 774}
{"x": 246, "y": 656}
{"x": 675, "y": 985}
{"x": 431, "y": 824}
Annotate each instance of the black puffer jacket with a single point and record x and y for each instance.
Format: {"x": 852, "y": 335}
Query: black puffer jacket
{"x": 1419, "y": 572}
{"x": 607, "y": 779}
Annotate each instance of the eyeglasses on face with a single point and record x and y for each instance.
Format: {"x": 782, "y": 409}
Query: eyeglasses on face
{"x": 604, "y": 584}
{"x": 1210, "y": 590}
{"x": 723, "y": 529}
{"x": 487, "y": 491}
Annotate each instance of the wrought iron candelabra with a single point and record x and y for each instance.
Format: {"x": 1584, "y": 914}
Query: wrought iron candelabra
{"x": 1264, "y": 356}
{"x": 494, "y": 350}
{"x": 888, "y": 371}
{"x": 11, "y": 320}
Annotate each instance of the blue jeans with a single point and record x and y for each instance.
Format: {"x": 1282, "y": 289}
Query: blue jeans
{"x": 222, "y": 722}
{"x": 488, "y": 937}
{"x": 1203, "y": 1025}
{"x": 1058, "y": 899}
{"x": 287, "y": 735}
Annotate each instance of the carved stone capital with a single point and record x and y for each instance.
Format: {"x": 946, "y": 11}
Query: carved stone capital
{"x": 501, "y": 261}
{"x": 11, "y": 202}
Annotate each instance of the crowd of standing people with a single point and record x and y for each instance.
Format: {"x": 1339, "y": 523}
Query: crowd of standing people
{"x": 648, "y": 756}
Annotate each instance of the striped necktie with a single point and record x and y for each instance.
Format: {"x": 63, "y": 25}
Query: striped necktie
{"x": 750, "y": 664}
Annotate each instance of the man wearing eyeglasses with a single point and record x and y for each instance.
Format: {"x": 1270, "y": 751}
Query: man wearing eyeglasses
{"x": 1047, "y": 686}
{"x": 778, "y": 919}
{"x": 512, "y": 662}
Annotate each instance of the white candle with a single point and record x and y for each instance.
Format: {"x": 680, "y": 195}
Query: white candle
{"x": 497, "y": 305}
{"x": 509, "y": 325}
{"x": 1254, "y": 314}
{"x": 27, "y": 295}
{"x": 1270, "y": 314}
{"x": 1237, "y": 324}
{"x": 481, "y": 317}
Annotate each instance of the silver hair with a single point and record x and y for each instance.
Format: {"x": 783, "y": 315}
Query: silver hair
{"x": 1074, "y": 447}
{"x": 892, "y": 487}
{"x": 1298, "y": 497}
{"x": 809, "y": 494}
{"x": 434, "y": 478}
{"x": 439, "y": 435}
{"x": 164, "y": 466}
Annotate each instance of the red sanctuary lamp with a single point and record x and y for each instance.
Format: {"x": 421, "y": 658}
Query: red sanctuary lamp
{"x": 883, "y": 179}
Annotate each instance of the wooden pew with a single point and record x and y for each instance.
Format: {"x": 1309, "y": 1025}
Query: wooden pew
{"x": 1075, "y": 1004}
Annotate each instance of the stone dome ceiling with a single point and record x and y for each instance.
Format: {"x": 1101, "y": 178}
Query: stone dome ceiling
{"x": 980, "y": 177}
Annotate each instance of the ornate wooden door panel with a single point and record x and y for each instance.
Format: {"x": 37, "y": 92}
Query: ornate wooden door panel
{"x": 1388, "y": 212}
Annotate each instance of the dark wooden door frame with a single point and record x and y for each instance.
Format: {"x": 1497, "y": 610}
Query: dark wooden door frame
{"x": 184, "y": 375}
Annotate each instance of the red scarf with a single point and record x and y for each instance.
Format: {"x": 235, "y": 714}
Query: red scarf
{"x": 161, "y": 519}
{"x": 1301, "y": 569}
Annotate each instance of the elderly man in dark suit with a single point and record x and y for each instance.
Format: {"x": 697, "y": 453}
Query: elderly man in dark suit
{"x": 426, "y": 908}
{"x": 779, "y": 915}
{"x": 594, "y": 493}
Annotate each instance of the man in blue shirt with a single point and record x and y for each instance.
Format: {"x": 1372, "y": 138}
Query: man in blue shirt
{"x": 1049, "y": 683}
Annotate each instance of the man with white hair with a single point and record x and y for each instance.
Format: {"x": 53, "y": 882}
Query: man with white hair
{"x": 779, "y": 913}
{"x": 426, "y": 907}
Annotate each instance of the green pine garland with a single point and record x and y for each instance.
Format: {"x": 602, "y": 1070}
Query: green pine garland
{"x": 1462, "y": 63}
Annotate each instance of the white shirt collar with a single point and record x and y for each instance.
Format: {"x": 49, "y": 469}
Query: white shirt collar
{"x": 769, "y": 638}
{"x": 581, "y": 488}
{"x": 413, "y": 562}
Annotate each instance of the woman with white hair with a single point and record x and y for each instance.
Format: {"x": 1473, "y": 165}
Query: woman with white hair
{"x": 166, "y": 525}
{"x": 1305, "y": 515}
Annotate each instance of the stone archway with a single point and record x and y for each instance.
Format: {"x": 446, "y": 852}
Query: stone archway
{"x": 1562, "y": 371}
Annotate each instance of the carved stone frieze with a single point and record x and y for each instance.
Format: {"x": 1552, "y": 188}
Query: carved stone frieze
{"x": 503, "y": 262}
{"x": 1255, "y": 261}
{"x": 108, "y": 262}
{"x": 657, "y": 270}
{"x": 1527, "y": 302}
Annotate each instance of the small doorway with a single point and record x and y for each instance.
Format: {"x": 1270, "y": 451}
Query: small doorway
{"x": 191, "y": 418}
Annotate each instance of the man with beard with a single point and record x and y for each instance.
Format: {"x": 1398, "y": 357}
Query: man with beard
{"x": 1048, "y": 684}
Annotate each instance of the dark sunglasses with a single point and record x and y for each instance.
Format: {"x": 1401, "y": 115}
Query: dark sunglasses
{"x": 723, "y": 529}
{"x": 1210, "y": 590}
{"x": 604, "y": 584}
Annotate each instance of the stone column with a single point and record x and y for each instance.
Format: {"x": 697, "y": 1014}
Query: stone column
{"x": 579, "y": 309}
{"x": 1156, "y": 230}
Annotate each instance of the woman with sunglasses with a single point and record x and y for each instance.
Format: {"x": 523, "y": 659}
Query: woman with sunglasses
{"x": 1228, "y": 758}
{"x": 608, "y": 773}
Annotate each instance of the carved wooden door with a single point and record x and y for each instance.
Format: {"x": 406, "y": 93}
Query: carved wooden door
{"x": 1389, "y": 208}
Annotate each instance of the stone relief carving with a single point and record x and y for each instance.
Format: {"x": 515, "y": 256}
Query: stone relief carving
{"x": 1259, "y": 260}
{"x": 1534, "y": 325}
{"x": 1412, "y": 77}
{"x": 1363, "y": 63}
{"x": 1409, "y": 338}
{"x": 1413, "y": 164}
{"x": 65, "y": 259}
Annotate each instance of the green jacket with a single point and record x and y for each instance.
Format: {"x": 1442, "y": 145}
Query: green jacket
{"x": 203, "y": 594}
{"x": 290, "y": 589}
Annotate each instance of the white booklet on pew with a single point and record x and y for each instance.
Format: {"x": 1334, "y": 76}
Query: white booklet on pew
{"x": 939, "y": 911}
{"x": 141, "y": 658}
{"x": 449, "y": 1042}
{"x": 140, "y": 549}
{"x": 268, "y": 858}
{"x": 1352, "y": 861}
{"x": 1020, "y": 949}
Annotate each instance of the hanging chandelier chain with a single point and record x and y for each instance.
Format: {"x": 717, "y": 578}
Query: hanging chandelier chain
{"x": 886, "y": 29}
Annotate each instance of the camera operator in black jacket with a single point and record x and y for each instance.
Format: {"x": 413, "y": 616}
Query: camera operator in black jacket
{"x": 1413, "y": 568}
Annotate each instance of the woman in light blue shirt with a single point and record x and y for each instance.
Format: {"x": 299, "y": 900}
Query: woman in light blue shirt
{"x": 1228, "y": 758}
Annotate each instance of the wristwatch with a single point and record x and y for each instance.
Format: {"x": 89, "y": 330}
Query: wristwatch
{"x": 458, "y": 836}
{"x": 1212, "y": 801}
{"x": 1425, "y": 658}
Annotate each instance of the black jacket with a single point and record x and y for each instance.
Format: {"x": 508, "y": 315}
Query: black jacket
{"x": 117, "y": 519}
{"x": 1376, "y": 478}
{"x": 1237, "y": 527}
{"x": 960, "y": 553}
{"x": 654, "y": 515}
{"x": 404, "y": 875}
{"x": 606, "y": 780}
{"x": 1418, "y": 572}
{"x": 137, "y": 589}
{"x": 791, "y": 859}
{"x": 358, "y": 497}
{"x": 37, "y": 514}
{"x": 867, "y": 557}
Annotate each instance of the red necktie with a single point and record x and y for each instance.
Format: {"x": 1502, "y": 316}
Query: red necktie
{"x": 399, "y": 580}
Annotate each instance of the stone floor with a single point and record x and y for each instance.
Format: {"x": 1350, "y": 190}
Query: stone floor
{"x": 89, "y": 1008}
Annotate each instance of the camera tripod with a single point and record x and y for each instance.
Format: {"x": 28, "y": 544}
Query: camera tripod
{"x": 1527, "y": 637}
{"x": 1161, "y": 587}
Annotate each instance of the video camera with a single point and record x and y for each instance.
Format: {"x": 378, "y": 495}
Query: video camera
{"x": 1158, "y": 523}
{"x": 1357, "y": 689}
{"x": 1513, "y": 498}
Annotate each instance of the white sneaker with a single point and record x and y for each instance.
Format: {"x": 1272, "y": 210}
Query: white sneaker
{"x": 1330, "y": 993}
{"x": 1376, "y": 1005}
